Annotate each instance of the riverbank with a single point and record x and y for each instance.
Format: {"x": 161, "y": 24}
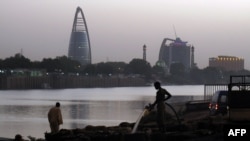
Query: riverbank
{"x": 63, "y": 82}
{"x": 26, "y": 109}
{"x": 6, "y": 139}
{"x": 192, "y": 125}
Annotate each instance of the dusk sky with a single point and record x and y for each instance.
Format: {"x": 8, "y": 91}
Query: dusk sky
{"x": 118, "y": 29}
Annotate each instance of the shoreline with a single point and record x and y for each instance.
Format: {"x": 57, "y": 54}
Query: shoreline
{"x": 195, "y": 125}
{"x": 6, "y": 139}
{"x": 187, "y": 115}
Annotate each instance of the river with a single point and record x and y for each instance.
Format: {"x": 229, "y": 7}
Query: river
{"x": 25, "y": 111}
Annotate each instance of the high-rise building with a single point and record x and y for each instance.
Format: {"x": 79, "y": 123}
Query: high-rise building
{"x": 177, "y": 51}
{"x": 227, "y": 63}
{"x": 79, "y": 45}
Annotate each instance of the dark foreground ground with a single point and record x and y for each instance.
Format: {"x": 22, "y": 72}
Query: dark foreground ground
{"x": 193, "y": 126}
{"x": 190, "y": 126}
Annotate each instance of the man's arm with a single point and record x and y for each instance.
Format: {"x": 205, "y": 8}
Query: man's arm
{"x": 151, "y": 106}
{"x": 168, "y": 95}
{"x": 59, "y": 114}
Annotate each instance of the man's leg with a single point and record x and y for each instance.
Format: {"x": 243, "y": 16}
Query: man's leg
{"x": 161, "y": 117}
{"x": 54, "y": 127}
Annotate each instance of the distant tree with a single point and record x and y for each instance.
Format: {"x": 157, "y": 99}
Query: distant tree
{"x": 212, "y": 75}
{"x": 36, "y": 65}
{"x": 90, "y": 69}
{"x": 109, "y": 68}
{"x": 60, "y": 64}
{"x": 49, "y": 64}
{"x": 139, "y": 66}
{"x": 18, "y": 61}
{"x": 1, "y": 64}
{"x": 117, "y": 67}
{"x": 159, "y": 71}
{"x": 104, "y": 68}
{"x": 67, "y": 65}
{"x": 196, "y": 76}
{"x": 177, "y": 69}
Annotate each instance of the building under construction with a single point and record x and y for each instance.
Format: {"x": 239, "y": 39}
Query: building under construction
{"x": 176, "y": 51}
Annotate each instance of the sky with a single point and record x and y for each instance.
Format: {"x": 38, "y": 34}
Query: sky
{"x": 118, "y": 29}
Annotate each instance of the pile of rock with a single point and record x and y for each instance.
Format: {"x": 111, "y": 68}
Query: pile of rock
{"x": 92, "y": 133}
{"x": 101, "y": 133}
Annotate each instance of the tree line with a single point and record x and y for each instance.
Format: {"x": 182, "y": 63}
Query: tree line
{"x": 135, "y": 68}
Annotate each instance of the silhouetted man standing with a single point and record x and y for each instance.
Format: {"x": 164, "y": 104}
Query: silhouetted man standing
{"x": 160, "y": 98}
{"x": 55, "y": 118}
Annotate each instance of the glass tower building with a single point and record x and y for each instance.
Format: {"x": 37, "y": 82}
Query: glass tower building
{"x": 79, "y": 45}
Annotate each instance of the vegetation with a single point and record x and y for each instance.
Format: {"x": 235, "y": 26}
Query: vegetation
{"x": 135, "y": 68}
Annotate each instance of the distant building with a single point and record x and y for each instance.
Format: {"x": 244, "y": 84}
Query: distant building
{"x": 79, "y": 45}
{"x": 144, "y": 52}
{"x": 177, "y": 51}
{"x": 227, "y": 63}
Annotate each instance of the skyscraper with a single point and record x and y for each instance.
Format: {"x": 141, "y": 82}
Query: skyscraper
{"x": 79, "y": 45}
{"x": 176, "y": 51}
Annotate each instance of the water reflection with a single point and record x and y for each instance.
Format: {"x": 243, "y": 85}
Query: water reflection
{"x": 25, "y": 112}
{"x": 100, "y": 112}
{"x": 32, "y": 119}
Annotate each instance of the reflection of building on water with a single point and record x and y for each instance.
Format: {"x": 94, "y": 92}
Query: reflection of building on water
{"x": 177, "y": 51}
{"x": 80, "y": 112}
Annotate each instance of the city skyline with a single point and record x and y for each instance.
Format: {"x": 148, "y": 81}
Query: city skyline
{"x": 118, "y": 29}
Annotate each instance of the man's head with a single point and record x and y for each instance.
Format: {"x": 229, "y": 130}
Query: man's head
{"x": 157, "y": 85}
{"x": 57, "y": 104}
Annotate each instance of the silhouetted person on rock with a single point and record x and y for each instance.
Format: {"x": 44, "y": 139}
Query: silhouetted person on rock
{"x": 55, "y": 118}
{"x": 160, "y": 98}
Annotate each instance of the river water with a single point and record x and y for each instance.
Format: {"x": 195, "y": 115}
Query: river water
{"x": 25, "y": 111}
